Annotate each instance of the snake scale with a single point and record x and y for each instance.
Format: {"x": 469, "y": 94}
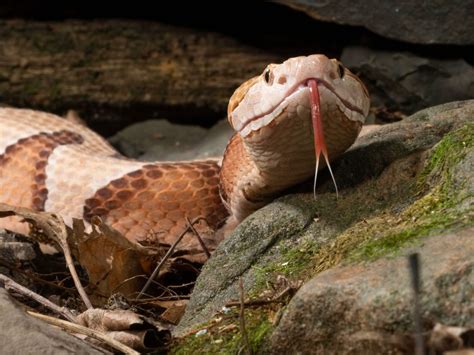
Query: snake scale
{"x": 50, "y": 164}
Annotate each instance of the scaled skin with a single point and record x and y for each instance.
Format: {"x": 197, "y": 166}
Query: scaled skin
{"x": 48, "y": 163}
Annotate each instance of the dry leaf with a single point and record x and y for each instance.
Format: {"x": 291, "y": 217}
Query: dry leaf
{"x": 113, "y": 263}
{"x": 140, "y": 340}
{"x": 174, "y": 310}
{"x": 127, "y": 327}
{"x": 444, "y": 338}
{"x": 112, "y": 320}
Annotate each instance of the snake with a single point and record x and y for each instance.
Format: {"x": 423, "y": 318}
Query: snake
{"x": 283, "y": 119}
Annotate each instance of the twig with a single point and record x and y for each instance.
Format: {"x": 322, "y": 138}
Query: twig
{"x": 33, "y": 276}
{"x": 253, "y": 303}
{"x": 75, "y": 276}
{"x": 163, "y": 298}
{"x": 167, "y": 255}
{"x": 9, "y": 285}
{"x": 54, "y": 228}
{"x": 161, "y": 263}
{"x": 201, "y": 242}
{"x": 243, "y": 331}
{"x": 261, "y": 302}
{"x": 73, "y": 327}
{"x": 414, "y": 265}
{"x": 187, "y": 284}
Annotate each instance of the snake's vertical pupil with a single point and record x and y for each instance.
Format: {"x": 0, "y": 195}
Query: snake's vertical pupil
{"x": 340, "y": 70}
{"x": 266, "y": 76}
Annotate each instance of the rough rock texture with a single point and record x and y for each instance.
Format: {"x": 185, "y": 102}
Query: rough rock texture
{"x": 379, "y": 180}
{"x": 22, "y": 334}
{"x": 160, "y": 140}
{"x": 443, "y": 22}
{"x": 405, "y": 82}
{"x": 217, "y": 283}
{"x": 368, "y": 308}
{"x": 15, "y": 248}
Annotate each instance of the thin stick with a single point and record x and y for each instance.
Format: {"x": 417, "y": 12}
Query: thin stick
{"x": 161, "y": 263}
{"x": 53, "y": 227}
{"x": 414, "y": 265}
{"x": 75, "y": 276}
{"x": 34, "y": 276}
{"x": 261, "y": 302}
{"x": 243, "y": 331}
{"x": 201, "y": 242}
{"x": 167, "y": 255}
{"x": 73, "y": 327}
{"x": 11, "y": 285}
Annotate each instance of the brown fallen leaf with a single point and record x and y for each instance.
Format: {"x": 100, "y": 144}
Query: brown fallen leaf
{"x": 112, "y": 320}
{"x": 141, "y": 340}
{"x": 113, "y": 263}
{"x": 127, "y": 327}
{"x": 174, "y": 310}
{"x": 445, "y": 338}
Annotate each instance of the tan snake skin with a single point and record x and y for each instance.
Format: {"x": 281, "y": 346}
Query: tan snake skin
{"x": 48, "y": 163}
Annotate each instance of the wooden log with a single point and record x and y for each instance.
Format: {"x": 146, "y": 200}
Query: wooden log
{"x": 120, "y": 71}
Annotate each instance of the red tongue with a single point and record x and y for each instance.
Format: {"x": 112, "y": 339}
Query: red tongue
{"x": 319, "y": 143}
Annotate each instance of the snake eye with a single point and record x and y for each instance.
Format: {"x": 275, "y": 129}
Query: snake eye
{"x": 267, "y": 76}
{"x": 340, "y": 70}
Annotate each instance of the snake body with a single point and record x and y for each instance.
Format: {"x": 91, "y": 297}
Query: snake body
{"x": 51, "y": 164}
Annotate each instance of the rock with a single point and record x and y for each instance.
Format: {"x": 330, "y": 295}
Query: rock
{"x": 15, "y": 248}
{"x": 374, "y": 152}
{"x": 23, "y": 334}
{"x": 395, "y": 189}
{"x": 403, "y": 81}
{"x": 368, "y": 308}
{"x": 440, "y": 22}
{"x": 161, "y": 140}
{"x": 237, "y": 253}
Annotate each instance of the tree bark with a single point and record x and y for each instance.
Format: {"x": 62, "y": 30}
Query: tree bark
{"x": 115, "y": 70}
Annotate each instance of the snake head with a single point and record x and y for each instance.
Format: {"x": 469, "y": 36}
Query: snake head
{"x": 282, "y": 88}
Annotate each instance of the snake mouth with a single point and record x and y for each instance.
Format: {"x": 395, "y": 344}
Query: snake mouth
{"x": 261, "y": 120}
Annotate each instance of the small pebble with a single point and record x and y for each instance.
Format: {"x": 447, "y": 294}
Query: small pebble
{"x": 201, "y": 332}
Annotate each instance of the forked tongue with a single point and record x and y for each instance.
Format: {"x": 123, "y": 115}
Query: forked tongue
{"x": 319, "y": 143}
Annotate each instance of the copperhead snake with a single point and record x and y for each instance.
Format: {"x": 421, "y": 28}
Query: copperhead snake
{"x": 48, "y": 163}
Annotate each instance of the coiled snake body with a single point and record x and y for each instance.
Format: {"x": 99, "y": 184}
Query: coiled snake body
{"x": 48, "y": 163}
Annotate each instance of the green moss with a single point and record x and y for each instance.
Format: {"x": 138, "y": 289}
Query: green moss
{"x": 448, "y": 153}
{"x": 433, "y": 206}
{"x": 436, "y": 211}
{"x": 292, "y": 263}
{"x": 222, "y": 335}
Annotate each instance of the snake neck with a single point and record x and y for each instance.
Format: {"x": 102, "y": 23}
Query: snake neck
{"x": 241, "y": 185}
{"x": 260, "y": 167}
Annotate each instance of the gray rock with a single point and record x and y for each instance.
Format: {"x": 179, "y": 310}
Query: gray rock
{"x": 217, "y": 283}
{"x": 374, "y": 152}
{"x": 15, "y": 248}
{"x": 441, "y": 22}
{"x": 160, "y": 140}
{"x": 376, "y": 177}
{"x": 22, "y": 334}
{"x": 405, "y": 82}
{"x": 368, "y": 308}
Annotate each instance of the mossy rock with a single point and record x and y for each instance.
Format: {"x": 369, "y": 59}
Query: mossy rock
{"x": 400, "y": 184}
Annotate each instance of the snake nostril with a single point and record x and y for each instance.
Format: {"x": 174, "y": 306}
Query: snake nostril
{"x": 282, "y": 80}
